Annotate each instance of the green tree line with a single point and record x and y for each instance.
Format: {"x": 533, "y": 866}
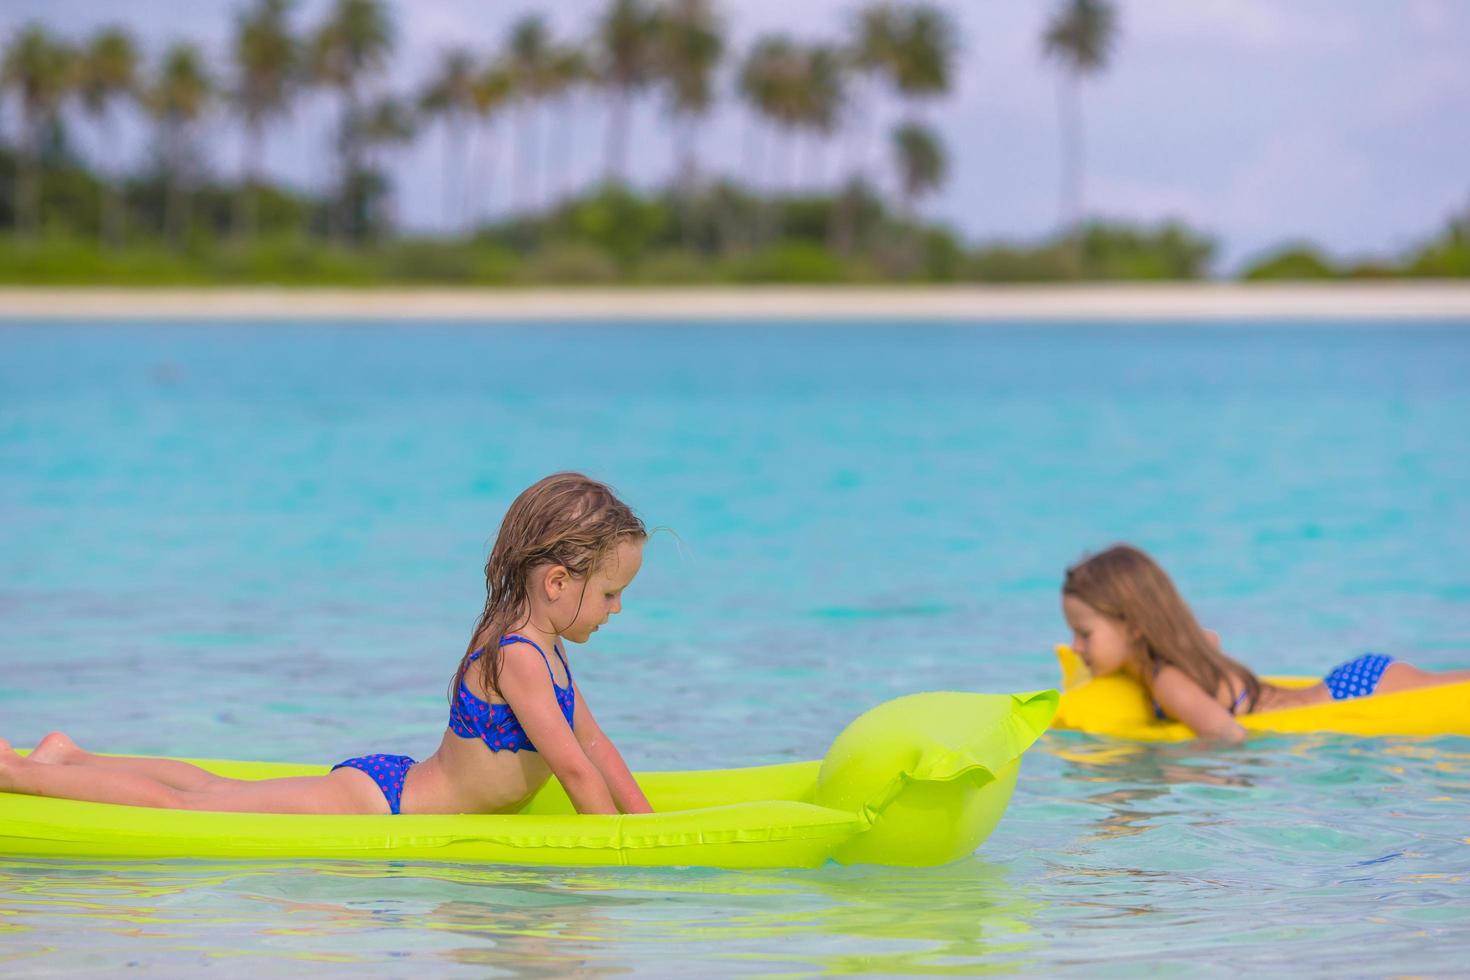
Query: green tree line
{"x": 172, "y": 219}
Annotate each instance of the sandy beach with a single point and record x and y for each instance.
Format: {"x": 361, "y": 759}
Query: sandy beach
{"x": 1143, "y": 302}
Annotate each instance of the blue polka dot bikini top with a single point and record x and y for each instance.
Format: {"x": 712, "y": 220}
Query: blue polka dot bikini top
{"x": 470, "y": 717}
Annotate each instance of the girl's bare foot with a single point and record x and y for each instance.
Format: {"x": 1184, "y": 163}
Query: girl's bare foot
{"x": 55, "y": 748}
{"x": 10, "y": 761}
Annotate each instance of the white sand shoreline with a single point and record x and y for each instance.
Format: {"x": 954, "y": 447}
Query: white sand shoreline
{"x": 1448, "y": 300}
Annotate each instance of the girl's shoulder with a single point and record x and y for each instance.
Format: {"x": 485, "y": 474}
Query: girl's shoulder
{"x": 1171, "y": 679}
{"x": 1182, "y": 699}
{"x": 1179, "y": 693}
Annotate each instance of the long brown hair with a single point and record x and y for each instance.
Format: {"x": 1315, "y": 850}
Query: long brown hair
{"x": 564, "y": 519}
{"x": 1125, "y": 584}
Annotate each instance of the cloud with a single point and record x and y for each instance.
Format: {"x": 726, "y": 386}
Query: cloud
{"x": 1149, "y": 200}
{"x": 1434, "y": 86}
{"x": 1299, "y": 180}
{"x": 1254, "y": 25}
{"x": 1434, "y": 18}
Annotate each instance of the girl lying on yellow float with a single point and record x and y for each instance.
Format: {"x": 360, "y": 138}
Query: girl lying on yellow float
{"x": 1141, "y": 667}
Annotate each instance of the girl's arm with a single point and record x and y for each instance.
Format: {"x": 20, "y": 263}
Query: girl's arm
{"x": 609, "y": 761}
{"x": 1183, "y": 699}
{"x": 527, "y": 688}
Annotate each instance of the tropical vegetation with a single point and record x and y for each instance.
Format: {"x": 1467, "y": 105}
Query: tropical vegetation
{"x": 497, "y": 115}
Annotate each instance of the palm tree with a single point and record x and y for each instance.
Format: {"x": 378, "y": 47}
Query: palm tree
{"x": 913, "y": 50}
{"x": 753, "y": 83}
{"x": 919, "y": 157}
{"x": 772, "y": 80}
{"x": 528, "y": 63}
{"x": 628, "y": 34}
{"x": 350, "y": 47}
{"x": 923, "y": 54}
{"x": 871, "y": 55}
{"x": 108, "y": 73}
{"x": 452, "y": 97}
{"x": 872, "y": 52}
{"x": 690, "y": 47}
{"x": 383, "y": 124}
{"x": 42, "y": 72}
{"x": 568, "y": 72}
{"x": 820, "y": 98}
{"x": 1080, "y": 36}
{"x": 493, "y": 90}
{"x": 266, "y": 61}
{"x": 179, "y": 96}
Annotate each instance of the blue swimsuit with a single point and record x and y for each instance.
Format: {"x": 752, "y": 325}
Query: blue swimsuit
{"x": 1357, "y": 678}
{"x": 469, "y": 717}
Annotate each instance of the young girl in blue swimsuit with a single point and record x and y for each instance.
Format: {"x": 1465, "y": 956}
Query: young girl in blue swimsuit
{"x": 566, "y": 550}
{"x": 1126, "y": 615}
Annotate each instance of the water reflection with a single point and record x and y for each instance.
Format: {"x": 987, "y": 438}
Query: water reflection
{"x": 963, "y": 918}
{"x": 1142, "y": 780}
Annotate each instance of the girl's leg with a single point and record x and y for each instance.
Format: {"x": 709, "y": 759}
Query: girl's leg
{"x": 58, "y": 749}
{"x": 18, "y": 775}
{"x": 342, "y": 791}
{"x": 1399, "y": 676}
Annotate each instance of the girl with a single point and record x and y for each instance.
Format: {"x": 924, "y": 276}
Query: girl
{"x": 564, "y": 554}
{"x": 1126, "y": 615}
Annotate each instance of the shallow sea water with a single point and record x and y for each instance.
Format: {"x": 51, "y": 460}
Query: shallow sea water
{"x": 264, "y": 540}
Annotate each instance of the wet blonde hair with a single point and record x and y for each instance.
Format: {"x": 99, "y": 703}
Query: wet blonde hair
{"x": 564, "y": 519}
{"x": 1125, "y": 584}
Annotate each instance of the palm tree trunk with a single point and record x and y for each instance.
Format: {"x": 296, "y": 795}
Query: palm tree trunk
{"x": 341, "y": 213}
{"x": 114, "y": 214}
{"x": 686, "y": 163}
{"x": 816, "y": 162}
{"x": 840, "y": 226}
{"x": 786, "y": 179}
{"x": 685, "y": 174}
{"x": 753, "y": 153}
{"x": 754, "y": 160}
{"x": 525, "y": 153}
{"x": 780, "y": 185}
{"x": 485, "y": 201}
{"x": 558, "y": 156}
{"x": 454, "y": 179}
{"x": 1069, "y": 111}
{"x": 173, "y": 205}
{"x": 28, "y": 181}
{"x": 27, "y": 190}
{"x": 617, "y": 135}
{"x": 841, "y": 232}
{"x": 534, "y": 142}
{"x": 910, "y": 236}
{"x": 247, "y": 196}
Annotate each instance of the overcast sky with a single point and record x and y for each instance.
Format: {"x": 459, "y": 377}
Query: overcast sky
{"x": 1339, "y": 121}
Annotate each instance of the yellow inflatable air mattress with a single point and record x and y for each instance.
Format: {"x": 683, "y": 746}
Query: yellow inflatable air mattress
{"x": 920, "y": 780}
{"x": 1119, "y": 706}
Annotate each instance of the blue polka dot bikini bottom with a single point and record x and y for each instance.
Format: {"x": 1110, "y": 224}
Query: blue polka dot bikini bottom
{"x": 388, "y": 771}
{"x": 1357, "y": 678}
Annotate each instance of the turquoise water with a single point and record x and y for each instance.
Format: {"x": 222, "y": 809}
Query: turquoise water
{"x": 265, "y": 541}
